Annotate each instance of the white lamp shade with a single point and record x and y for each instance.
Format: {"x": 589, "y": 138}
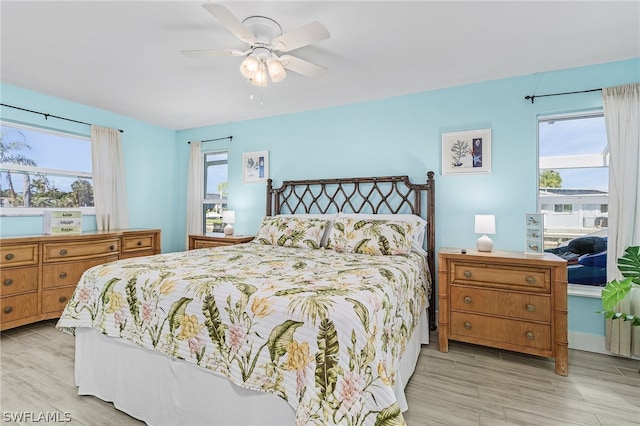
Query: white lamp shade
{"x": 228, "y": 216}
{"x": 250, "y": 67}
{"x": 276, "y": 71}
{"x": 485, "y": 224}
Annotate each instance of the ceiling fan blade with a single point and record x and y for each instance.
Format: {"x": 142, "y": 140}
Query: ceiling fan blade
{"x": 303, "y": 36}
{"x": 232, "y": 23}
{"x": 301, "y": 66}
{"x": 211, "y": 53}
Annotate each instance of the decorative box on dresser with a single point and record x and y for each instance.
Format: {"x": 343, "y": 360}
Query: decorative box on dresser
{"x": 39, "y": 273}
{"x": 198, "y": 241}
{"x": 506, "y": 300}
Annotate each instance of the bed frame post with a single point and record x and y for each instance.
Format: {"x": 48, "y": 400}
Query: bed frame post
{"x": 431, "y": 243}
{"x": 269, "y": 196}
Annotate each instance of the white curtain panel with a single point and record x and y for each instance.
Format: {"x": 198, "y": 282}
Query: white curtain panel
{"x": 195, "y": 190}
{"x": 622, "y": 114}
{"x": 109, "y": 184}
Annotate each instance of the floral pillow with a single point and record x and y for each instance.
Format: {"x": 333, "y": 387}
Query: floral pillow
{"x": 291, "y": 232}
{"x": 372, "y": 236}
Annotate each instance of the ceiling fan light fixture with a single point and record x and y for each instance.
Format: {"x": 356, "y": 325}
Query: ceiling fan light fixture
{"x": 250, "y": 67}
{"x": 276, "y": 71}
{"x": 260, "y": 77}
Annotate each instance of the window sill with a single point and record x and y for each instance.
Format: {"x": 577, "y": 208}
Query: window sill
{"x": 584, "y": 291}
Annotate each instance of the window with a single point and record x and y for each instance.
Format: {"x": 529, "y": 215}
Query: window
{"x": 216, "y": 172}
{"x": 43, "y": 169}
{"x": 574, "y": 192}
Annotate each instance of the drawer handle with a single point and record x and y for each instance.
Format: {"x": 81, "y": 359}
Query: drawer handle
{"x": 8, "y": 310}
{"x": 467, "y": 300}
{"x": 63, "y": 275}
{"x": 139, "y": 243}
{"x": 63, "y": 252}
{"x": 112, "y": 247}
{"x": 467, "y": 325}
{"x": 530, "y": 335}
{"x": 62, "y": 299}
{"x": 8, "y": 282}
{"x": 530, "y": 280}
{"x": 467, "y": 274}
{"x": 9, "y": 256}
{"x": 530, "y": 307}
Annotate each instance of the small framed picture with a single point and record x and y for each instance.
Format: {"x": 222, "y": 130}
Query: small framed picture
{"x": 534, "y": 229}
{"x": 255, "y": 166}
{"x": 466, "y": 152}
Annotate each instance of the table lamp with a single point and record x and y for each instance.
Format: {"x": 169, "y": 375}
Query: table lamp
{"x": 485, "y": 224}
{"x": 228, "y": 217}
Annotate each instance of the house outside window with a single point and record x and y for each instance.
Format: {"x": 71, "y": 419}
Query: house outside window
{"x": 574, "y": 192}
{"x": 216, "y": 173}
{"x": 42, "y": 169}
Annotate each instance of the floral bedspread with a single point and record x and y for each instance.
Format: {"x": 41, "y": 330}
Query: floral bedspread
{"x": 321, "y": 329}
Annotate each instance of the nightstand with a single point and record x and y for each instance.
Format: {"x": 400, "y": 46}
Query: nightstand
{"x": 216, "y": 240}
{"x": 507, "y": 300}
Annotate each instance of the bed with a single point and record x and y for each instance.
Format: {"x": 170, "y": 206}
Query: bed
{"x": 319, "y": 320}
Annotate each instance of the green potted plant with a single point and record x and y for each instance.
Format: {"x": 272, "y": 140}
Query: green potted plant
{"x": 615, "y": 291}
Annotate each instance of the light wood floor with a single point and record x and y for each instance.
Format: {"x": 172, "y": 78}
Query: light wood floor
{"x": 469, "y": 385}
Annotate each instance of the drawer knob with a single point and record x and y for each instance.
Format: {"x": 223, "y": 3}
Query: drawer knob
{"x": 63, "y": 275}
{"x": 63, "y": 252}
{"x": 530, "y": 279}
{"x": 139, "y": 243}
{"x": 112, "y": 247}
{"x": 530, "y": 335}
{"x": 62, "y": 299}
{"x": 467, "y": 274}
{"x": 8, "y": 309}
{"x": 467, "y": 325}
{"x": 467, "y": 300}
{"x": 8, "y": 282}
{"x": 9, "y": 256}
{"x": 530, "y": 307}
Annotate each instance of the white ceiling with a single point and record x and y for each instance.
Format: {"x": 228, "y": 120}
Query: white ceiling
{"x": 124, "y": 56}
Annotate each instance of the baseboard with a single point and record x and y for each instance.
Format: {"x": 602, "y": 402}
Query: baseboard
{"x": 587, "y": 342}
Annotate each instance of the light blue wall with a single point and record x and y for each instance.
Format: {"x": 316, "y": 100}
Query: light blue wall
{"x": 150, "y": 163}
{"x": 387, "y": 137}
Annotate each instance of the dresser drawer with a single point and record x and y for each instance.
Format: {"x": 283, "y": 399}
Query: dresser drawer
{"x": 69, "y": 273}
{"x": 54, "y": 252}
{"x": 18, "y": 280}
{"x": 137, "y": 243}
{"x": 500, "y": 332}
{"x": 56, "y": 300}
{"x": 14, "y": 308}
{"x": 498, "y": 275}
{"x": 18, "y": 255}
{"x": 533, "y": 307}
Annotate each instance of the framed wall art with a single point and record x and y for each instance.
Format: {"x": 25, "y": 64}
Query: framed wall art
{"x": 255, "y": 166}
{"x": 467, "y": 152}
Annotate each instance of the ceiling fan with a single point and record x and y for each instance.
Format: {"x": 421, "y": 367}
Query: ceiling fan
{"x": 266, "y": 43}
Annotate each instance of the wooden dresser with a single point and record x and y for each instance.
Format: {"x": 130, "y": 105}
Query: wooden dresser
{"x": 506, "y": 300}
{"x": 39, "y": 273}
{"x": 216, "y": 240}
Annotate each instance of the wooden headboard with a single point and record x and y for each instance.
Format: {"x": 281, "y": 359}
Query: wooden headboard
{"x": 379, "y": 195}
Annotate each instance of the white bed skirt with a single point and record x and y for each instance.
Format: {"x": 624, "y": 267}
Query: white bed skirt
{"x": 160, "y": 390}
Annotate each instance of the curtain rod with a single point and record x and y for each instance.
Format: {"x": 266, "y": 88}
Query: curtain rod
{"x": 46, "y": 116}
{"x": 217, "y": 139}
{"x": 532, "y": 97}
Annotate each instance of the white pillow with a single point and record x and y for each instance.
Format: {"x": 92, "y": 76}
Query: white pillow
{"x": 326, "y": 216}
{"x": 420, "y": 223}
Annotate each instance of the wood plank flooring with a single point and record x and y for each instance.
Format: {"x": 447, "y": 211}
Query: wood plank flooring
{"x": 469, "y": 385}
